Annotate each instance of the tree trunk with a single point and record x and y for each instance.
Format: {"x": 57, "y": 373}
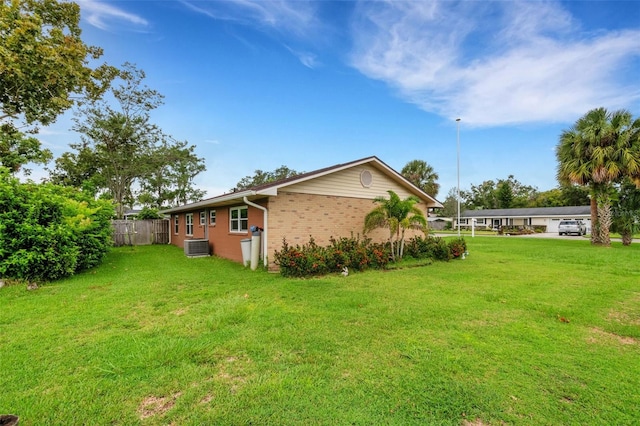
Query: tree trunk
{"x": 627, "y": 237}
{"x": 401, "y": 246}
{"x": 604, "y": 218}
{"x": 393, "y": 252}
{"x": 595, "y": 226}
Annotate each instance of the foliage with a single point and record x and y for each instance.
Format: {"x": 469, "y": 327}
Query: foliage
{"x": 457, "y": 247}
{"x": 435, "y": 248}
{"x": 500, "y": 194}
{"x": 600, "y": 149}
{"x": 169, "y": 182}
{"x": 17, "y": 149}
{"x": 397, "y": 215}
{"x": 79, "y": 170}
{"x": 626, "y": 212}
{"x": 261, "y": 177}
{"x": 43, "y": 61}
{"x": 422, "y": 175}
{"x": 504, "y": 195}
{"x": 48, "y": 232}
{"x": 121, "y": 147}
{"x": 148, "y": 213}
{"x": 450, "y": 204}
{"x": 564, "y": 195}
{"x": 43, "y": 72}
{"x": 312, "y": 260}
{"x": 519, "y": 230}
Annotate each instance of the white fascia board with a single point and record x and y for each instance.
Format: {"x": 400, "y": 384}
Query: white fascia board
{"x": 273, "y": 191}
{"x": 210, "y": 202}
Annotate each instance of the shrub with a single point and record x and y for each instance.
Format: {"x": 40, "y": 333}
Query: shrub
{"x": 356, "y": 254}
{"x": 457, "y": 246}
{"x": 148, "y": 213}
{"x": 90, "y": 220}
{"x": 301, "y": 261}
{"x": 48, "y": 232}
{"x": 434, "y": 248}
{"x": 311, "y": 259}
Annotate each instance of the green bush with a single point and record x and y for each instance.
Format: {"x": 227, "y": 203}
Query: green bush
{"x": 90, "y": 221}
{"x": 301, "y": 261}
{"x": 434, "y": 248}
{"x": 311, "y": 259}
{"x": 457, "y": 247}
{"x": 48, "y": 232}
{"x": 358, "y": 255}
{"x": 148, "y": 213}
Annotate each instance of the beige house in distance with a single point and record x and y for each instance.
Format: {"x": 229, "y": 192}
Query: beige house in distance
{"x": 545, "y": 217}
{"x": 325, "y": 203}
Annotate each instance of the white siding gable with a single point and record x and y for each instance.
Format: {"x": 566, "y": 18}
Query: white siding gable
{"x": 347, "y": 183}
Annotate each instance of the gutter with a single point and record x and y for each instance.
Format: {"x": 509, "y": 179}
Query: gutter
{"x": 265, "y": 217}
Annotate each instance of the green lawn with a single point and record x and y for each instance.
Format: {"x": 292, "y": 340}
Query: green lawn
{"x": 524, "y": 331}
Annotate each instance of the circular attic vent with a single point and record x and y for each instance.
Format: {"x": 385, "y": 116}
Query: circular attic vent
{"x": 366, "y": 178}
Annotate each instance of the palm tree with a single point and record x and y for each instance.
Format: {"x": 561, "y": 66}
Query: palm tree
{"x": 600, "y": 149}
{"x": 422, "y": 175}
{"x": 397, "y": 215}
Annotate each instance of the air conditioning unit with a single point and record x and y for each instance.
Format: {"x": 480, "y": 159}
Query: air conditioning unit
{"x": 193, "y": 248}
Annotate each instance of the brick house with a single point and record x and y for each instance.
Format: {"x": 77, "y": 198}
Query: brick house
{"x": 330, "y": 202}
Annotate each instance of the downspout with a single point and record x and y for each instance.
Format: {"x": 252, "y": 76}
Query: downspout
{"x": 172, "y": 219}
{"x": 265, "y": 217}
{"x": 206, "y": 225}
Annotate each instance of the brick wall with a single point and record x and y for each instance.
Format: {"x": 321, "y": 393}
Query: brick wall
{"x": 300, "y": 216}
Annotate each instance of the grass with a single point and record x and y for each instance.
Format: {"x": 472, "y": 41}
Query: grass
{"x": 524, "y": 331}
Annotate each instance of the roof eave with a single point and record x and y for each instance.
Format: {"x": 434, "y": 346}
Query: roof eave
{"x": 210, "y": 202}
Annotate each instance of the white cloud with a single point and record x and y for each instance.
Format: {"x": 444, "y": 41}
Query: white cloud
{"x": 493, "y": 63}
{"x": 285, "y": 16}
{"x": 104, "y": 16}
{"x": 308, "y": 59}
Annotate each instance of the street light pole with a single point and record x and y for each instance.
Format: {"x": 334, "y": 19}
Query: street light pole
{"x": 458, "y": 138}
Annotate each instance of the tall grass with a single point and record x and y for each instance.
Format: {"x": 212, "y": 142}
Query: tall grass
{"x": 524, "y": 331}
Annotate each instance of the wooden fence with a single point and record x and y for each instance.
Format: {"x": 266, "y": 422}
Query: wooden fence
{"x": 140, "y": 232}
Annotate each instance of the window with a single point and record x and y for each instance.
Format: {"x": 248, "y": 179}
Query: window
{"x": 203, "y": 218}
{"x": 176, "y": 224}
{"x": 239, "y": 219}
{"x": 212, "y": 217}
{"x": 480, "y": 221}
{"x": 189, "y": 218}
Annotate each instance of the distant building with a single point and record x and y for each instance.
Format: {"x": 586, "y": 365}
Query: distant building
{"x": 549, "y": 217}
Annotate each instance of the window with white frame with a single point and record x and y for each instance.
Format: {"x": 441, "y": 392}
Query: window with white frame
{"x": 176, "y": 224}
{"x": 238, "y": 219}
{"x": 189, "y": 218}
{"x": 212, "y": 217}
{"x": 203, "y": 218}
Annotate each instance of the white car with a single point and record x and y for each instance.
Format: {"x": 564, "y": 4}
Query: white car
{"x": 568, "y": 227}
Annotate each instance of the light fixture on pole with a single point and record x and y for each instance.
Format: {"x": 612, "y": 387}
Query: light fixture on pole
{"x": 458, "y": 138}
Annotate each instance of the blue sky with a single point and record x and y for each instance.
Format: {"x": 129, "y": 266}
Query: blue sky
{"x": 258, "y": 84}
